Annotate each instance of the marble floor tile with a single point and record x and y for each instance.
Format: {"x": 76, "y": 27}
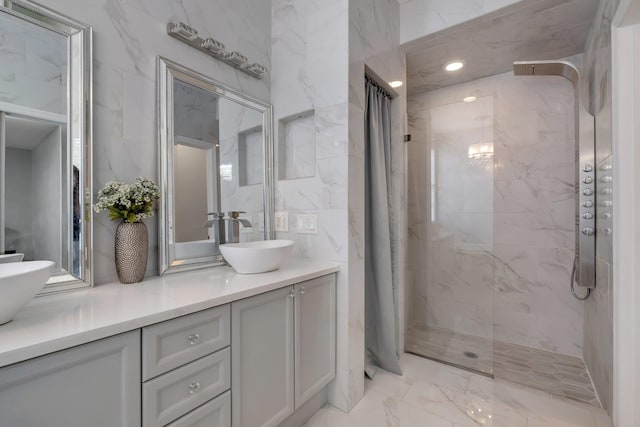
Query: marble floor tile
{"x": 432, "y": 394}
{"x": 554, "y": 373}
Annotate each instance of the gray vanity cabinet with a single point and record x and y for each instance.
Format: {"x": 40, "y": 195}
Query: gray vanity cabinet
{"x": 95, "y": 384}
{"x": 283, "y": 351}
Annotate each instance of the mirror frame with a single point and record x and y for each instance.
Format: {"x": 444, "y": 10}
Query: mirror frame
{"x": 79, "y": 122}
{"x": 168, "y": 71}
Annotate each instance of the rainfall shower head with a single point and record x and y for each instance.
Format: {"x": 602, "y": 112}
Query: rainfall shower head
{"x": 547, "y": 68}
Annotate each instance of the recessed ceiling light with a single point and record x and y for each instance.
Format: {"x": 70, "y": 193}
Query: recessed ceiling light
{"x": 454, "y": 65}
{"x": 469, "y": 99}
{"x": 396, "y": 83}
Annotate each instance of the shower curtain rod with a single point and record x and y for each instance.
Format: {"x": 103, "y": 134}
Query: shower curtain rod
{"x": 377, "y": 81}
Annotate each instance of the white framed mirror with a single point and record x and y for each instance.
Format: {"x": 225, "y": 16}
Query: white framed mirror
{"x": 45, "y": 141}
{"x": 216, "y": 168}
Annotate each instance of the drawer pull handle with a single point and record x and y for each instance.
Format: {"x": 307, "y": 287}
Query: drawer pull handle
{"x": 302, "y": 289}
{"x": 194, "y": 388}
{"x": 193, "y": 339}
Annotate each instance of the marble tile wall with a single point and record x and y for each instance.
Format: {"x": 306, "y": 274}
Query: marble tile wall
{"x": 128, "y": 37}
{"x": 34, "y": 66}
{"x": 374, "y": 41}
{"x": 306, "y": 33}
{"x": 19, "y": 220}
{"x": 491, "y": 243}
{"x": 241, "y": 152}
{"x": 598, "y": 319}
{"x": 419, "y": 18}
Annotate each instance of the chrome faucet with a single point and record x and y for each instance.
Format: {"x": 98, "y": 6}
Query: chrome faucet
{"x": 218, "y": 226}
{"x": 233, "y": 226}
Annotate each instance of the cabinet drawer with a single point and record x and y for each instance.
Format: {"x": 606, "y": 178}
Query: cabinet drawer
{"x": 216, "y": 413}
{"x": 176, "y": 342}
{"x": 173, "y": 394}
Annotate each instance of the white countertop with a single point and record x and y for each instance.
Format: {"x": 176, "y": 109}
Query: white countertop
{"x": 55, "y": 322}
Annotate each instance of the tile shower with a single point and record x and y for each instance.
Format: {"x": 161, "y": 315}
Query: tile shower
{"x": 491, "y": 236}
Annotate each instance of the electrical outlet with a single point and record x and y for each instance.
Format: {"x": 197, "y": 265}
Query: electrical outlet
{"x": 307, "y": 224}
{"x": 282, "y": 221}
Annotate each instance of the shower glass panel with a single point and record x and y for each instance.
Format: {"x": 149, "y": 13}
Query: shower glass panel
{"x": 451, "y": 213}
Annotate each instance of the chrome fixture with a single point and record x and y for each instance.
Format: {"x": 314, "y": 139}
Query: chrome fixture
{"x": 233, "y": 226}
{"x": 583, "y": 274}
{"x": 218, "y": 226}
{"x": 214, "y": 48}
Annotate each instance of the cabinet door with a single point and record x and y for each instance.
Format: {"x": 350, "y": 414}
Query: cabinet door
{"x": 315, "y": 336}
{"x": 95, "y": 384}
{"x": 262, "y": 359}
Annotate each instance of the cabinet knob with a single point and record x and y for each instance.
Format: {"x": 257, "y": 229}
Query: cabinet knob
{"x": 193, "y": 339}
{"x": 194, "y": 388}
{"x": 292, "y": 294}
{"x": 302, "y": 289}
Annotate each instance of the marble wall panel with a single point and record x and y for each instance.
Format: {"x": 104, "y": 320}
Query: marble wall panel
{"x": 128, "y": 38}
{"x": 306, "y": 33}
{"x": 598, "y": 319}
{"x": 34, "y": 66}
{"x": 499, "y": 236}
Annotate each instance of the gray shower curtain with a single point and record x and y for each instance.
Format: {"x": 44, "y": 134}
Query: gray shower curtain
{"x": 380, "y": 326}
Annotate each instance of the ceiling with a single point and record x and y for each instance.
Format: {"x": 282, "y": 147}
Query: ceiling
{"x": 527, "y": 30}
{"x": 26, "y": 134}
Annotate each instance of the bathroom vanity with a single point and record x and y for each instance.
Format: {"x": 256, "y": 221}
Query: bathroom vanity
{"x": 208, "y": 347}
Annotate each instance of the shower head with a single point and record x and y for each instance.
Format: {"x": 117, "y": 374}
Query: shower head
{"x": 547, "y": 68}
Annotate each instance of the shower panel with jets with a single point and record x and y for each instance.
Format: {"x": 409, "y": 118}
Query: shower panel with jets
{"x": 583, "y": 272}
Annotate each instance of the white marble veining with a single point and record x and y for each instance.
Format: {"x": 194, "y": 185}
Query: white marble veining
{"x": 491, "y": 241}
{"x": 527, "y": 30}
{"x": 56, "y": 322}
{"x": 34, "y": 66}
{"x": 128, "y": 37}
{"x": 433, "y": 395}
{"x": 304, "y": 34}
{"x": 598, "y": 319}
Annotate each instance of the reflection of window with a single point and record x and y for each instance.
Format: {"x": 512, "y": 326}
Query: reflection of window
{"x": 226, "y": 172}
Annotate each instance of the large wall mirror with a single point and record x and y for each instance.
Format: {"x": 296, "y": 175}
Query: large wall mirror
{"x": 216, "y": 157}
{"x": 45, "y": 142}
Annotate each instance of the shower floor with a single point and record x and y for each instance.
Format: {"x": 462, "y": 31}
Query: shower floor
{"x": 554, "y": 373}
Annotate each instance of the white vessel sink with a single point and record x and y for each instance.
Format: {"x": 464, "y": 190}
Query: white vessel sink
{"x": 256, "y": 257}
{"x": 19, "y": 282}
{"x": 11, "y": 258}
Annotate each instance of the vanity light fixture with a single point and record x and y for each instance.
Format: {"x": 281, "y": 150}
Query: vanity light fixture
{"x": 454, "y": 65}
{"x": 256, "y": 70}
{"x": 469, "y": 99}
{"x": 480, "y": 151}
{"x": 214, "y": 48}
{"x": 183, "y": 31}
{"x": 236, "y": 59}
{"x": 396, "y": 83}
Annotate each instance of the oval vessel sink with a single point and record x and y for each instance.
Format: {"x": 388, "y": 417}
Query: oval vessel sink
{"x": 17, "y": 257}
{"x": 19, "y": 282}
{"x": 256, "y": 257}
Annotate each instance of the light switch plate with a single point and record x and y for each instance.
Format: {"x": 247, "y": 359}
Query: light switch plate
{"x": 307, "y": 224}
{"x": 282, "y": 221}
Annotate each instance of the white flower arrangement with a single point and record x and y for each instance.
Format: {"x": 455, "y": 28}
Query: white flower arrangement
{"x": 130, "y": 202}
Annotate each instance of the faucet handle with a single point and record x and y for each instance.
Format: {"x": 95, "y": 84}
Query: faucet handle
{"x": 235, "y": 214}
{"x": 216, "y": 215}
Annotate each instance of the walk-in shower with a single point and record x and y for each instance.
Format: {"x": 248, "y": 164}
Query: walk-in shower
{"x": 507, "y": 181}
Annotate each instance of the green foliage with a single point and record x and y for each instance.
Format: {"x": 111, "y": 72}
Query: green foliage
{"x": 129, "y": 202}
